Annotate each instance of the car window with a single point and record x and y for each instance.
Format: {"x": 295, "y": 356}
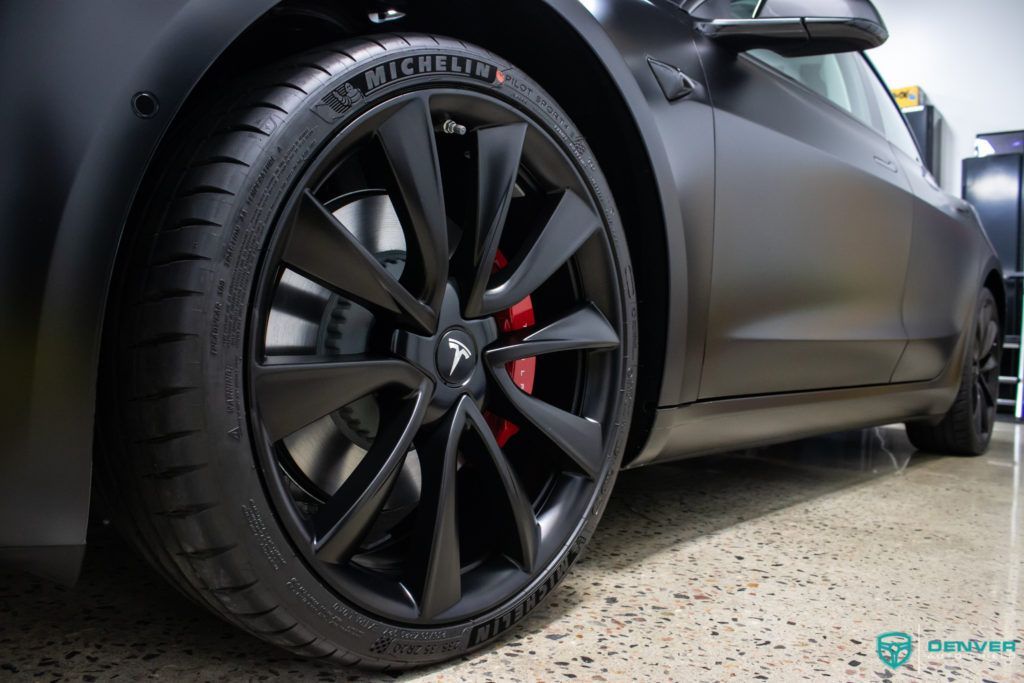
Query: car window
{"x": 725, "y": 9}
{"x": 888, "y": 119}
{"x": 743, "y": 9}
{"x": 837, "y": 78}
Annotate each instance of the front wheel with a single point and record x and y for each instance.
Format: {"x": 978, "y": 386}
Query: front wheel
{"x": 373, "y": 365}
{"x": 967, "y": 428}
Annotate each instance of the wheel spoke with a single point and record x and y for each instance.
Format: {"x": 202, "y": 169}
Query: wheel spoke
{"x": 320, "y": 247}
{"x": 579, "y": 437}
{"x": 570, "y": 225}
{"x": 292, "y": 392}
{"x": 523, "y": 517}
{"x": 986, "y": 392}
{"x": 499, "y": 150}
{"x": 584, "y": 328}
{"x": 434, "y": 568}
{"x": 411, "y": 148}
{"x": 988, "y": 339}
{"x": 343, "y": 521}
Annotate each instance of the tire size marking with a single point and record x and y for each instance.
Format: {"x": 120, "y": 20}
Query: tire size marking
{"x": 263, "y": 538}
{"x": 337, "y": 615}
{"x": 563, "y": 128}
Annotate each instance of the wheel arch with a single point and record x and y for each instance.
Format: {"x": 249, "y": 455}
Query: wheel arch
{"x": 179, "y": 52}
{"x": 612, "y": 117}
{"x": 65, "y": 211}
{"x": 994, "y": 282}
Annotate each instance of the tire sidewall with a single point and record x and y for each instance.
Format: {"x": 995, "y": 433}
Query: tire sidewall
{"x": 293, "y": 141}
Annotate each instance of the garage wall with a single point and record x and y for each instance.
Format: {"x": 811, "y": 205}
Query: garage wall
{"x": 969, "y": 58}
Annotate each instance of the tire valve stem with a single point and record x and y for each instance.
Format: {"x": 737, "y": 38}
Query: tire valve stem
{"x": 452, "y": 128}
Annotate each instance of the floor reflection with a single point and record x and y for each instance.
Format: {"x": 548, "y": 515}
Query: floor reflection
{"x": 794, "y": 554}
{"x": 877, "y": 451}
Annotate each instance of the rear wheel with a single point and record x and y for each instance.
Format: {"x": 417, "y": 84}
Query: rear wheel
{"x": 372, "y": 371}
{"x": 967, "y": 428}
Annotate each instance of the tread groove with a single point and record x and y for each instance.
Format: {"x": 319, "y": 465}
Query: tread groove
{"x": 170, "y": 294}
{"x": 289, "y": 85}
{"x": 175, "y": 472}
{"x": 181, "y": 258}
{"x": 224, "y": 159}
{"x": 243, "y": 128}
{"x": 278, "y": 632}
{"x": 187, "y": 511}
{"x": 163, "y": 339}
{"x": 207, "y": 553}
{"x": 205, "y": 189}
{"x": 256, "y": 615}
{"x": 193, "y": 222}
{"x": 164, "y": 438}
{"x": 313, "y": 65}
{"x": 264, "y": 105}
{"x": 164, "y": 393}
{"x": 233, "y": 590}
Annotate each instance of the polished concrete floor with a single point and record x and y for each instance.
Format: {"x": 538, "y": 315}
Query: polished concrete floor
{"x": 776, "y": 564}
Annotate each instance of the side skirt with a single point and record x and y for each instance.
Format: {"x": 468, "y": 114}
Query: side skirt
{"x": 720, "y": 425}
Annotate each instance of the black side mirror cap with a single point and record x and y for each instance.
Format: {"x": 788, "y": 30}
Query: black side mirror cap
{"x": 796, "y": 36}
{"x": 800, "y": 27}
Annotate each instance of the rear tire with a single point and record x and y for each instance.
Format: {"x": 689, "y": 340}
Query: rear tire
{"x": 200, "y": 449}
{"x": 967, "y": 428}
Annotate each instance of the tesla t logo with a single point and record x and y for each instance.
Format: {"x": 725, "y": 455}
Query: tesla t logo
{"x": 461, "y": 351}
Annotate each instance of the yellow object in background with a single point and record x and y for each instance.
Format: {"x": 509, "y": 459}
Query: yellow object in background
{"x": 910, "y": 96}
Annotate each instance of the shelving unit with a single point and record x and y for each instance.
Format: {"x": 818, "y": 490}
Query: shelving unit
{"x": 1010, "y": 402}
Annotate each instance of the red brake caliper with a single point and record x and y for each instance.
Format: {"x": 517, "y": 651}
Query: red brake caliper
{"x": 523, "y": 371}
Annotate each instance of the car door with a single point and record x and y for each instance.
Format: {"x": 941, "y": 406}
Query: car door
{"x": 812, "y": 228}
{"x": 942, "y": 282}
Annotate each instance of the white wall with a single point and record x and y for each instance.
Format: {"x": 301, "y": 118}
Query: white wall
{"x": 968, "y": 55}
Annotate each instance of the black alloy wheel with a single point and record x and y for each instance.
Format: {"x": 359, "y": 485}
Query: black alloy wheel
{"x": 985, "y": 356}
{"x": 380, "y": 367}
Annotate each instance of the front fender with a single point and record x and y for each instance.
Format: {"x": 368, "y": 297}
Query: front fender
{"x": 75, "y": 153}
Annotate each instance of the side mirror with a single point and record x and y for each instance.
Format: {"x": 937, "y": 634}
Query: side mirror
{"x": 802, "y": 27}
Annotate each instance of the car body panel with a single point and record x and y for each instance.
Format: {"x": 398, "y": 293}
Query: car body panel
{"x": 948, "y": 247}
{"x": 68, "y": 181}
{"x": 71, "y": 178}
{"x": 812, "y": 239}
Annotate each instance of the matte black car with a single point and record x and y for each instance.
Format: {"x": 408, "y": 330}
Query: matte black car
{"x": 351, "y": 312}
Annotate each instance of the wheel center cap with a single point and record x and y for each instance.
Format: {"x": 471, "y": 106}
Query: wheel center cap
{"x": 456, "y": 357}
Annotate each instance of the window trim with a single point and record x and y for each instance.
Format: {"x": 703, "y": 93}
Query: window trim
{"x": 873, "y": 70}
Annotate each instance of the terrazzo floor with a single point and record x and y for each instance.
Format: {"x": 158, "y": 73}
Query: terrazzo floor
{"x": 778, "y": 564}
